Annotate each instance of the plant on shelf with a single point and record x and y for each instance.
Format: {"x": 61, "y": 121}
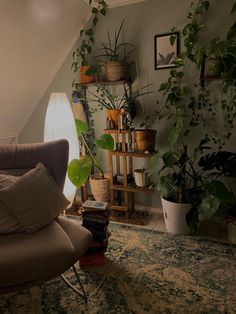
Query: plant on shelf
{"x": 106, "y": 99}
{"x": 116, "y": 54}
{"x": 81, "y": 54}
{"x": 79, "y": 170}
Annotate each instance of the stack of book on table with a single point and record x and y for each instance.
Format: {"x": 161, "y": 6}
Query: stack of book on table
{"x": 96, "y": 219}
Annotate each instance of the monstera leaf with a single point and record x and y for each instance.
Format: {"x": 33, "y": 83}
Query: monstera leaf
{"x": 81, "y": 127}
{"x": 79, "y": 170}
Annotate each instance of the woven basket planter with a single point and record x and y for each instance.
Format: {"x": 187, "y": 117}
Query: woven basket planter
{"x": 100, "y": 188}
{"x": 116, "y": 71}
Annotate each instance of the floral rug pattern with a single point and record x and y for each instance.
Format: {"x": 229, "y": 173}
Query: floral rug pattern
{"x": 146, "y": 272}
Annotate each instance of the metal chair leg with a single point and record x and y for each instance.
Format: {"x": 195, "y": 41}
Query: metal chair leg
{"x": 70, "y": 285}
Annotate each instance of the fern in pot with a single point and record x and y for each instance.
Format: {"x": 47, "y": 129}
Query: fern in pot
{"x": 79, "y": 170}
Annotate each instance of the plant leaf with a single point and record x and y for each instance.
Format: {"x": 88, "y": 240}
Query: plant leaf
{"x": 79, "y": 170}
{"x": 106, "y": 141}
{"x": 210, "y": 205}
{"x": 81, "y": 127}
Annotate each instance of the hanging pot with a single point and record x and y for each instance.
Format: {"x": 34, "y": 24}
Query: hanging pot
{"x": 84, "y": 78}
{"x": 175, "y": 216}
{"x": 116, "y": 71}
{"x": 113, "y": 115}
{"x": 145, "y": 140}
{"x": 100, "y": 188}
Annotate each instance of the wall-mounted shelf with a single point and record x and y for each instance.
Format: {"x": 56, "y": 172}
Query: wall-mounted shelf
{"x": 106, "y": 83}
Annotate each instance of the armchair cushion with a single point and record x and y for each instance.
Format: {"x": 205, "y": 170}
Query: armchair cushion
{"x": 8, "y": 222}
{"x": 34, "y": 199}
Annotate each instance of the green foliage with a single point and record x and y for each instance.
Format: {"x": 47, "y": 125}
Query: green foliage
{"x": 80, "y": 55}
{"x": 115, "y": 50}
{"x": 80, "y": 170}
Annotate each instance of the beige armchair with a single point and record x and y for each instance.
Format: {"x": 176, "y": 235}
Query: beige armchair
{"x": 30, "y": 259}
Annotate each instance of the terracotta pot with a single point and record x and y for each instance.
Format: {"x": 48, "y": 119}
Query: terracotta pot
{"x": 100, "y": 188}
{"x": 84, "y": 78}
{"x": 145, "y": 140}
{"x": 113, "y": 115}
{"x": 175, "y": 216}
{"x": 116, "y": 71}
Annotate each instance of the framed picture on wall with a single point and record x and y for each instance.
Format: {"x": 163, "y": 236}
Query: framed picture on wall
{"x": 165, "y": 53}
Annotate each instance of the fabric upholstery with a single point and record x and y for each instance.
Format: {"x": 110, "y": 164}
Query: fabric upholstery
{"x": 34, "y": 199}
{"x": 28, "y": 259}
{"x": 8, "y": 222}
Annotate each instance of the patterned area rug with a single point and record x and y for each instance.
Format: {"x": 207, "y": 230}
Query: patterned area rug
{"x": 146, "y": 272}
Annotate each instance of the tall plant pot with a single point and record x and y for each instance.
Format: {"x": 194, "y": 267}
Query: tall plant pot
{"x": 175, "y": 216}
{"x": 113, "y": 115}
{"x": 145, "y": 140}
{"x": 100, "y": 188}
{"x": 116, "y": 71}
{"x": 84, "y": 78}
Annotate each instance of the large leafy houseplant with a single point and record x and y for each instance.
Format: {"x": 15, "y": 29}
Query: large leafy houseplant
{"x": 79, "y": 170}
{"x": 180, "y": 178}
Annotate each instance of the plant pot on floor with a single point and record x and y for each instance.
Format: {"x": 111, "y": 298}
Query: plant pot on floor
{"x": 141, "y": 177}
{"x": 232, "y": 231}
{"x": 113, "y": 115}
{"x": 175, "y": 216}
{"x": 85, "y": 78}
{"x": 100, "y": 188}
{"x": 116, "y": 71}
{"x": 145, "y": 140}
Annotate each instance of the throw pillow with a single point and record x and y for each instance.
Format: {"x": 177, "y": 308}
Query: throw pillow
{"x": 8, "y": 222}
{"x": 34, "y": 199}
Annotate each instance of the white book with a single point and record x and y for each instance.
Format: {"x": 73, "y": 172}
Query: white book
{"x": 95, "y": 205}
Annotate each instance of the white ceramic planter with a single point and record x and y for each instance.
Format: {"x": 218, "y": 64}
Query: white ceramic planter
{"x": 141, "y": 177}
{"x": 175, "y": 216}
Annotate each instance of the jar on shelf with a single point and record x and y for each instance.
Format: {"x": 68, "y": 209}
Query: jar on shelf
{"x": 124, "y": 120}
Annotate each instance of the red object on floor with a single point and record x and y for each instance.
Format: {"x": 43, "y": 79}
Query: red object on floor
{"x": 96, "y": 259}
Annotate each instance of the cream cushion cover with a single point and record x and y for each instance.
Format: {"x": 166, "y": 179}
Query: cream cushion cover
{"x": 34, "y": 199}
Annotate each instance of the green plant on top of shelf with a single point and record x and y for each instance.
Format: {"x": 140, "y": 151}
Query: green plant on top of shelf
{"x": 115, "y": 50}
{"x": 81, "y": 54}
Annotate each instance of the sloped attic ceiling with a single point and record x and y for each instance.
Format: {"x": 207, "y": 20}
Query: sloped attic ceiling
{"x": 35, "y": 38}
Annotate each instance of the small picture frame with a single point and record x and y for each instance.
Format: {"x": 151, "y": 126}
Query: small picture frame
{"x": 165, "y": 53}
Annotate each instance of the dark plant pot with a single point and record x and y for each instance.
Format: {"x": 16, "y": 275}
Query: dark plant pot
{"x": 214, "y": 67}
{"x": 145, "y": 140}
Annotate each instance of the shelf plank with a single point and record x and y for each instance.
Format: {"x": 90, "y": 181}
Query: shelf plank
{"x": 116, "y": 131}
{"x": 131, "y": 188}
{"x": 107, "y": 83}
{"x": 121, "y": 208}
{"x": 132, "y": 154}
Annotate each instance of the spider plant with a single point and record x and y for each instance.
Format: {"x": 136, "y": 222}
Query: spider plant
{"x": 115, "y": 50}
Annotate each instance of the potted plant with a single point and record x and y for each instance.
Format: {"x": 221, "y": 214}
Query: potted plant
{"x": 81, "y": 54}
{"x": 218, "y": 191}
{"x": 114, "y": 103}
{"x": 79, "y": 170}
{"x": 116, "y": 55}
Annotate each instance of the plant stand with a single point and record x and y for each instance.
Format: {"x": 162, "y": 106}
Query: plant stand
{"x": 122, "y": 195}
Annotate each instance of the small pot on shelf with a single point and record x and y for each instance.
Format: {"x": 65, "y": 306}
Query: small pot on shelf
{"x": 141, "y": 177}
{"x": 85, "y": 78}
{"x": 116, "y": 71}
{"x": 113, "y": 115}
{"x": 145, "y": 139}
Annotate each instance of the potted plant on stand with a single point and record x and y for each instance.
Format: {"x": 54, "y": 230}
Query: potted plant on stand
{"x": 117, "y": 53}
{"x": 105, "y": 99}
{"x": 79, "y": 170}
{"x": 80, "y": 55}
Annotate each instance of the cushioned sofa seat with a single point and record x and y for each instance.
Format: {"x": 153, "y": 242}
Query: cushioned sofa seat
{"x": 42, "y": 255}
